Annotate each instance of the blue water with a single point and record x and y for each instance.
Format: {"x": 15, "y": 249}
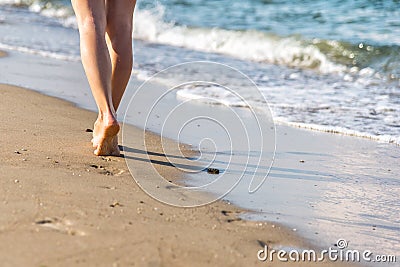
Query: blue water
{"x": 352, "y": 33}
{"x": 374, "y": 22}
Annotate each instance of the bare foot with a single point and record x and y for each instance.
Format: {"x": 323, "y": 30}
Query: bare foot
{"x": 105, "y": 137}
{"x": 96, "y": 130}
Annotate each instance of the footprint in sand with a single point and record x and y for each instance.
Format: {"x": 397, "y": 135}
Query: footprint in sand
{"x": 111, "y": 171}
{"x": 59, "y": 225}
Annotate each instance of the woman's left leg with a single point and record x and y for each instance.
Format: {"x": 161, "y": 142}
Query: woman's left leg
{"x": 119, "y": 28}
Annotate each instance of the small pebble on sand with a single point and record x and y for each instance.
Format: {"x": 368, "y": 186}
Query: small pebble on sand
{"x": 115, "y": 204}
{"x": 212, "y": 171}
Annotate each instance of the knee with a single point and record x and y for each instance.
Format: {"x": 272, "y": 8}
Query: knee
{"x": 92, "y": 25}
{"x": 121, "y": 38}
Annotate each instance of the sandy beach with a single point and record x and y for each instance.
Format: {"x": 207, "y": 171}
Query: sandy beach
{"x": 62, "y": 206}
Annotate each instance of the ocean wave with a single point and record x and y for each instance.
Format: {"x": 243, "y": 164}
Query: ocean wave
{"x": 51, "y": 9}
{"x": 379, "y": 62}
{"x": 340, "y": 130}
{"x": 149, "y": 25}
{"x": 351, "y": 60}
{"x": 211, "y": 94}
{"x": 42, "y": 53}
{"x": 247, "y": 45}
{"x": 214, "y": 95}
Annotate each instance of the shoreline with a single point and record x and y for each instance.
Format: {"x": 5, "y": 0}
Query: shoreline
{"x": 69, "y": 207}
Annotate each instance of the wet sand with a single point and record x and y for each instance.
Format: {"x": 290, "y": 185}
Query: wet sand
{"x": 62, "y": 206}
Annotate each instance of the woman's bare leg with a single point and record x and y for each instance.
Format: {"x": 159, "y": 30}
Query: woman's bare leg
{"x": 119, "y": 41}
{"x": 92, "y": 23}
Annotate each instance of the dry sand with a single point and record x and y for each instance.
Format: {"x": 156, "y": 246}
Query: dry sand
{"x": 62, "y": 206}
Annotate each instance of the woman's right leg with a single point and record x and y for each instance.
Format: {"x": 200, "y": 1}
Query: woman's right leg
{"x": 92, "y": 22}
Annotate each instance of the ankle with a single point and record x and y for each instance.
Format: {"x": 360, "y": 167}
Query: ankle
{"x": 107, "y": 118}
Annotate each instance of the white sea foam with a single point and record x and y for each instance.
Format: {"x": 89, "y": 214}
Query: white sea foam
{"x": 15, "y": 2}
{"x": 247, "y": 45}
{"x": 211, "y": 95}
{"x": 149, "y": 25}
{"x": 63, "y": 13}
{"x": 218, "y": 96}
{"x": 42, "y": 53}
{"x": 340, "y": 130}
